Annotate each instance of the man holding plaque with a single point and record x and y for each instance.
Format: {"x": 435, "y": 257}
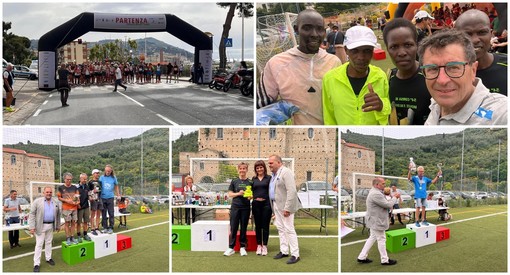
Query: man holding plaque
{"x": 240, "y": 209}
{"x": 420, "y": 194}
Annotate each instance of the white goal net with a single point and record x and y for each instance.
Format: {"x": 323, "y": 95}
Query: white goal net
{"x": 275, "y": 34}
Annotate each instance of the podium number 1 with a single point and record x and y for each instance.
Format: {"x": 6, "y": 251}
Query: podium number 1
{"x": 106, "y": 244}
{"x": 209, "y": 236}
{"x": 426, "y": 234}
{"x": 175, "y": 238}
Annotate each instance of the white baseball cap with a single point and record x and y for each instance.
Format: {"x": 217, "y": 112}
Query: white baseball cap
{"x": 95, "y": 171}
{"x": 422, "y": 14}
{"x": 358, "y": 36}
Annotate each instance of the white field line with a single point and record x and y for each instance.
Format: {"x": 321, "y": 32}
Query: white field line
{"x": 58, "y": 247}
{"x": 131, "y": 99}
{"x": 444, "y": 225}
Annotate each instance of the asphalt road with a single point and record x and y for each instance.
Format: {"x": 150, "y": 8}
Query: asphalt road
{"x": 149, "y": 104}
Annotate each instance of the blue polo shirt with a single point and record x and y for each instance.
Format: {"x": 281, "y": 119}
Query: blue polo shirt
{"x": 107, "y": 186}
{"x": 420, "y": 186}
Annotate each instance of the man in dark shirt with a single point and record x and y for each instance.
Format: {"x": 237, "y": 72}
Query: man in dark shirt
{"x": 83, "y": 208}
{"x": 409, "y": 96}
{"x": 492, "y": 67}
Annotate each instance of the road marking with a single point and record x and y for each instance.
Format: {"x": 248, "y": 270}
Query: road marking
{"x": 131, "y": 99}
{"x": 44, "y": 103}
{"x": 443, "y": 224}
{"x": 51, "y": 95}
{"x": 58, "y": 247}
{"x": 167, "y": 120}
{"x": 37, "y": 112}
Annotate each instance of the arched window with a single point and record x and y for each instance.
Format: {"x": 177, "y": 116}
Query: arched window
{"x": 39, "y": 163}
{"x": 359, "y": 154}
{"x": 310, "y": 133}
{"x": 13, "y": 159}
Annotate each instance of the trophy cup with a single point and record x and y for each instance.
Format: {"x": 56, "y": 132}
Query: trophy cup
{"x": 439, "y": 165}
{"x": 412, "y": 165}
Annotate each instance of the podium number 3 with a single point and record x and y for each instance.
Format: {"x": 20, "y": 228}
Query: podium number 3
{"x": 175, "y": 238}
{"x": 83, "y": 252}
{"x": 404, "y": 241}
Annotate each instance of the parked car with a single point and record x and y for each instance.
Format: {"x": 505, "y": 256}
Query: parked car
{"x": 319, "y": 187}
{"x": 344, "y": 196}
{"x": 501, "y": 194}
{"x": 362, "y": 194}
{"x": 452, "y": 194}
{"x": 133, "y": 200}
{"x": 493, "y": 195}
{"x": 481, "y": 195}
{"x": 24, "y": 72}
{"x": 404, "y": 195}
{"x": 443, "y": 194}
{"x": 163, "y": 199}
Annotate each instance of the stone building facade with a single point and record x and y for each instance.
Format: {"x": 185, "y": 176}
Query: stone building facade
{"x": 20, "y": 167}
{"x": 314, "y": 150}
{"x": 356, "y": 159}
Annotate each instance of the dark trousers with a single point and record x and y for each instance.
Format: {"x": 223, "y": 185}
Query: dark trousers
{"x": 238, "y": 217}
{"x": 262, "y": 215}
{"x": 108, "y": 207}
{"x": 14, "y": 234}
{"x": 118, "y": 82}
{"x": 398, "y": 215}
{"x": 187, "y": 213}
{"x": 64, "y": 95}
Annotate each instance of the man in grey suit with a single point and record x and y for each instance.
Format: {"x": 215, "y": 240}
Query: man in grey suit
{"x": 377, "y": 221}
{"x": 285, "y": 202}
{"x": 44, "y": 218}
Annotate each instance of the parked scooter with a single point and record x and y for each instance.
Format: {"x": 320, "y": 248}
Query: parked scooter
{"x": 246, "y": 85}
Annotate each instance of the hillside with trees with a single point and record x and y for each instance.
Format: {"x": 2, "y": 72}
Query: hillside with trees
{"x": 123, "y": 154}
{"x": 480, "y": 161}
{"x": 185, "y": 143}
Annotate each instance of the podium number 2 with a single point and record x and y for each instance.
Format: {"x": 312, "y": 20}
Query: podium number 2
{"x": 83, "y": 252}
{"x": 404, "y": 241}
{"x": 175, "y": 238}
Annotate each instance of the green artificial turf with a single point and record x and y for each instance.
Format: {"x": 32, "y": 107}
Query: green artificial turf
{"x": 477, "y": 245}
{"x": 318, "y": 253}
{"x": 149, "y": 252}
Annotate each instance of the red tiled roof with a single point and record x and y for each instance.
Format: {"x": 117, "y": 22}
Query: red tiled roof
{"x": 353, "y": 145}
{"x": 23, "y": 152}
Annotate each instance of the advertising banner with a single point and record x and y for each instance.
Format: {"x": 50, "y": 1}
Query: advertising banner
{"x": 114, "y": 21}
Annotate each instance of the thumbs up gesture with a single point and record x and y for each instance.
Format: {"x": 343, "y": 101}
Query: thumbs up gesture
{"x": 372, "y": 101}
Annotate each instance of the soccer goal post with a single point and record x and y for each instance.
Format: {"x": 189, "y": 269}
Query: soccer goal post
{"x": 209, "y": 171}
{"x": 36, "y": 184}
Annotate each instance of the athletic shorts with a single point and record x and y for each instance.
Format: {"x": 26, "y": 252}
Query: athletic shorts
{"x": 84, "y": 215}
{"x": 420, "y": 202}
{"x": 70, "y": 215}
{"x": 96, "y": 205}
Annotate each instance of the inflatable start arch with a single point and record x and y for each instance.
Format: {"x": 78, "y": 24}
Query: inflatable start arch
{"x": 111, "y": 22}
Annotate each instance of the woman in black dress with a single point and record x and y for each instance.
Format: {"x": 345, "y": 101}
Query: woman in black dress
{"x": 261, "y": 207}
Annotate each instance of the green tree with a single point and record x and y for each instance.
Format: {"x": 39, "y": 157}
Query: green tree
{"x": 448, "y": 186}
{"x": 128, "y": 191}
{"x": 226, "y": 172}
{"x": 16, "y": 49}
{"x": 244, "y": 9}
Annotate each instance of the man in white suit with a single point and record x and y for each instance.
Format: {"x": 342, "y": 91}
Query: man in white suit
{"x": 377, "y": 221}
{"x": 285, "y": 202}
{"x": 44, "y": 218}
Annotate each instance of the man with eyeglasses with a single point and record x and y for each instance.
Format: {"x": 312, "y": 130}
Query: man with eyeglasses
{"x": 448, "y": 61}
{"x": 492, "y": 67}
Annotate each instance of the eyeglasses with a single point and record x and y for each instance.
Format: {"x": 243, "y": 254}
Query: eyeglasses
{"x": 454, "y": 69}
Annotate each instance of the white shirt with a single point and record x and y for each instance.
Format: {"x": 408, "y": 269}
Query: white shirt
{"x": 118, "y": 73}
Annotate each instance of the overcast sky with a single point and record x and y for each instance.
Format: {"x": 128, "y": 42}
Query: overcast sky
{"x": 70, "y": 136}
{"x": 33, "y": 20}
{"x": 176, "y": 132}
{"x": 404, "y": 132}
